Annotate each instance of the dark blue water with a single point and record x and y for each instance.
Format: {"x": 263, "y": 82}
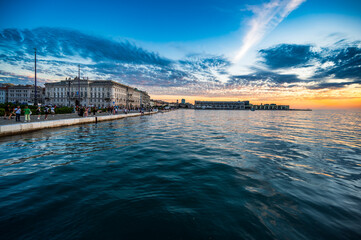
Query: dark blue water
{"x": 187, "y": 175}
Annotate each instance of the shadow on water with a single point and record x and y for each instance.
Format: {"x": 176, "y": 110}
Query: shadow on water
{"x": 186, "y": 175}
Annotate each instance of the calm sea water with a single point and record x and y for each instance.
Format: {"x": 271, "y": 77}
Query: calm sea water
{"x": 187, "y": 175}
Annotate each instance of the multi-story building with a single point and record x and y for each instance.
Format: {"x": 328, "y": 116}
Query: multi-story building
{"x": 271, "y": 106}
{"x": 25, "y": 94}
{"x": 99, "y": 93}
{"x": 3, "y": 94}
{"x": 229, "y": 105}
{"x": 144, "y": 99}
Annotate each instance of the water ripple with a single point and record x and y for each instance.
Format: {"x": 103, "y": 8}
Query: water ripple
{"x": 186, "y": 175}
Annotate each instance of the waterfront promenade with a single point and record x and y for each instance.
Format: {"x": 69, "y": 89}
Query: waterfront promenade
{"x": 11, "y": 127}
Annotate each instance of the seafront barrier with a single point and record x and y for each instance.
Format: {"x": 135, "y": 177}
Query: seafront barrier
{"x": 12, "y": 129}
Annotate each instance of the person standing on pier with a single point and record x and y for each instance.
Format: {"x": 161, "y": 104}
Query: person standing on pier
{"x": 12, "y": 113}
{"x": 27, "y": 113}
{"x": 17, "y": 112}
{"x": 38, "y": 111}
{"x": 52, "y": 111}
{"x": 7, "y": 111}
{"x": 81, "y": 112}
{"x": 46, "y": 111}
{"x": 86, "y": 112}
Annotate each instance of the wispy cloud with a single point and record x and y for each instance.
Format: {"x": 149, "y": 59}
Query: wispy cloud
{"x": 61, "y": 50}
{"x": 266, "y": 18}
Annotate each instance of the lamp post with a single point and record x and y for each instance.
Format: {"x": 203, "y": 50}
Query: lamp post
{"x": 69, "y": 91}
{"x": 79, "y": 83}
{"x": 35, "y": 96}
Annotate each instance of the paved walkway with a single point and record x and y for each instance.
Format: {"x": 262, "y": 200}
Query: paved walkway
{"x": 34, "y": 118}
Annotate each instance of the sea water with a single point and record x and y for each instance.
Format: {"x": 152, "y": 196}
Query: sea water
{"x": 186, "y": 174}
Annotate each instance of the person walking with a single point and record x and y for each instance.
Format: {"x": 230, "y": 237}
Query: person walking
{"x": 38, "y": 112}
{"x": 86, "y": 111}
{"x": 17, "y": 112}
{"x": 12, "y": 113}
{"x": 94, "y": 110}
{"x": 52, "y": 110}
{"x": 27, "y": 113}
{"x": 46, "y": 111}
{"x": 81, "y": 112}
{"x": 7, "y": 111}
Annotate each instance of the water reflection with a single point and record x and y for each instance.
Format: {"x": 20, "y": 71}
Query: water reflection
{"x": 201, "y": 174}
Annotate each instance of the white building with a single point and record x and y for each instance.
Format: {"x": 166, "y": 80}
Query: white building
{"x": 3, "y": 94}
{"x": 24, "y": 94}
{"x": 240, "y": 105}
{"x": 99, "y": 93}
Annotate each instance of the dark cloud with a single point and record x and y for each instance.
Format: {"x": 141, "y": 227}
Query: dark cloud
{"x": 62, "y": 43}
{"x": 335, "y": 85}
{"x": 342, "y": 61}
{"x": 264, "y": 76}
{"x": 60, "y": 51}
{"x": 287, "y": 55}
{"x": 346, "y": 63}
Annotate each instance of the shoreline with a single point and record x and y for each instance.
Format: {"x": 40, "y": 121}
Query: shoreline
{"x": 281, "y": 110}
{"x": 14, "y": 129}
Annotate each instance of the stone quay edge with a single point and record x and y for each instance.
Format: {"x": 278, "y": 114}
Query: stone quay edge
{"x": 13, "y": 129}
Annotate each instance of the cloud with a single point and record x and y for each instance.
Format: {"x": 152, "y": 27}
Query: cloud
{"x": 63, "y": 43}
{"x": 340, "y": 62}
{"x": 346, "y": 62}
{"x": 266, "y": 18}
{"x": 333, "y": 85}
{"x": 287, "y": 55}
{"x": 261, "y": 77}
{"x": 61, "y": 50}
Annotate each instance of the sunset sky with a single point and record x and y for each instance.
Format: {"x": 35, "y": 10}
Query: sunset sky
{"x": 305, "y": 53}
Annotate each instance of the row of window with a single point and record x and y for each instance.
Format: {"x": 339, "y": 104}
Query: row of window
{"x": 61, "y": 99}
{"x": 62, "y": 89}
{"x": 18, "y": 95}
{"x": 19, "y": 91}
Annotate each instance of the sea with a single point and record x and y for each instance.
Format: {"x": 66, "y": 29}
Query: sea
{"x": 187, "y": 174}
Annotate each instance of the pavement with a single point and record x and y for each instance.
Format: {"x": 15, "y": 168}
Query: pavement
{"x": 34, "y": 118}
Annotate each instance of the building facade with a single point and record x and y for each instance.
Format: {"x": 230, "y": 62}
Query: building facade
{"x": 144, "y": 99}
{"x": 3, "y": 94}
{"x": 25, "y": 94}
{"x": 227, "y": 105}
{"x": 271, "y": 106}
{"x": 98, "y": 93}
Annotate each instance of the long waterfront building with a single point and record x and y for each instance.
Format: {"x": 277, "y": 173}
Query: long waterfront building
{"x": 228, "y": 105}
{"x": 99, "y": 93}
{"x": 237, "y": 105}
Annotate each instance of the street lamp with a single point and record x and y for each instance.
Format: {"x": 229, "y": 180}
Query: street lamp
{"x": 69, "y": 82}
{"x": 79, "y": 84}
{"x": 36, "y": 96}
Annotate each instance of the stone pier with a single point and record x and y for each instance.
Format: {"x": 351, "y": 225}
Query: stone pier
{"x": 12, "y": 129}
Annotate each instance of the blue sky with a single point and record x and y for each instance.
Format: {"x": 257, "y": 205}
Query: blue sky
{"x": 197, "y": 49}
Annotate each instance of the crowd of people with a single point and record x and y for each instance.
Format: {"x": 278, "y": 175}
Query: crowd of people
{"x": 82, "y": 111}
{"x": 16, "y": 111}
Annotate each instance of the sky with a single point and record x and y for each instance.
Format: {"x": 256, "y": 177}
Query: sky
{"x": 305, "y": 53}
